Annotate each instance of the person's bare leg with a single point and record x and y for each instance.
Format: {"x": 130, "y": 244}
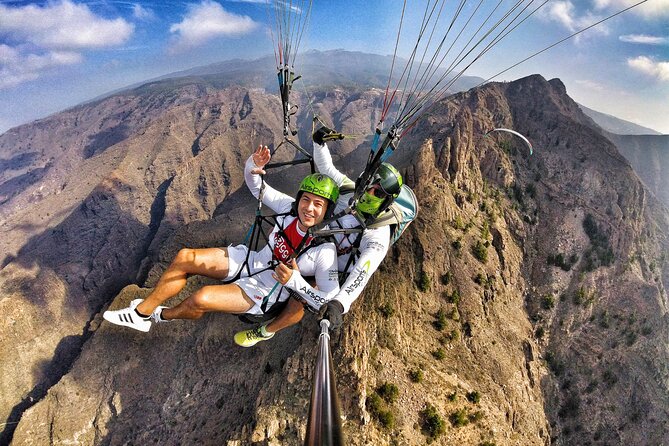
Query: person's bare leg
{"x": 291, "y": 315}
{"x": 224, "y": 298}
{"x": 210, "y": 262}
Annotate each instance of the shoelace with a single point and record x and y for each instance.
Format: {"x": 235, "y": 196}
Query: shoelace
{"x": 255, "y": 333}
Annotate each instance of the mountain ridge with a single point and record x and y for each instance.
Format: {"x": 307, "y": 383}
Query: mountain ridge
{"x": 263, "y": 66}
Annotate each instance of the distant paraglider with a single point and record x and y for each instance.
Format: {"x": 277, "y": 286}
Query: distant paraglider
{"x": 513, "y": 132}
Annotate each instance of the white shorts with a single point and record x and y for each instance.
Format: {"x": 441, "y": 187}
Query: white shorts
{"x": 258, "y": 286}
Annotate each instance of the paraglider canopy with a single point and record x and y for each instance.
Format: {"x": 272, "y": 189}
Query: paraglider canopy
{"x": 513, "y": 132}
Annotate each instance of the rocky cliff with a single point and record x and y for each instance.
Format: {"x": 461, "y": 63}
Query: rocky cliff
{"x": 524, "y": 306}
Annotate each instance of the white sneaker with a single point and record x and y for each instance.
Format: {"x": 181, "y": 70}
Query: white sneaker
{"x": 155, "y": 316}
{"x": 128, "y": 317}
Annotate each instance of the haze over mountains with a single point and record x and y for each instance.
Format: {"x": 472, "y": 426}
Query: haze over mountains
{"x": 616, "y": 125}
{"x": 559, "y": 328}
{"x": 317, "y": 68}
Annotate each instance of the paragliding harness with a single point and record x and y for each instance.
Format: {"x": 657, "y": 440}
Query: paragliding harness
{"x": 397, "y": 213}
{"x": 257, "y": 231}
{"x": 252, "y": 241}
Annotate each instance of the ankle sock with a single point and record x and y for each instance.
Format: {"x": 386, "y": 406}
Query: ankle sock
{"x": 143, "y": 316}
{"x": 264, "y": 331}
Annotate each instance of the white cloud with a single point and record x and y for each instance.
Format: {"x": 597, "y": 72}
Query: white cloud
{"x": 141, "y": 13}
{"x": 16, "y": 67}
{"x": 644, "y": 39}
{"x": 650, "y": 67}
{"x": 651, "y": 9}
{"x": 62, "y": 25}
{"x": 591, "y": 85}
{"x": 564, "y": 12}
{"x": 208, "y": 20}
{"x": 40, "y": 38}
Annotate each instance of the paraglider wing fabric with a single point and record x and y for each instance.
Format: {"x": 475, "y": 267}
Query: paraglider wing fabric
{"x": 513, "y": 132}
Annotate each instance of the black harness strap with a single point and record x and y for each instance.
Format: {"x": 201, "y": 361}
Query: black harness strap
{"x": 271, "y": 313}
{"x": 302, "y": 248}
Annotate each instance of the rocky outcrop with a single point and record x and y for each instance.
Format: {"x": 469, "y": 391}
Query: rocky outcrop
{"x": 525, "y": 304}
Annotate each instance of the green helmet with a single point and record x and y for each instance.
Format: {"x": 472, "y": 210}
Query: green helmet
{"x": 323, "y": 186}
{"x": 387, "y": 182}
{"x": 389, "y": 179}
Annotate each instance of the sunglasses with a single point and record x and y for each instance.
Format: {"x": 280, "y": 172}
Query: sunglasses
{"x": 377, "y": 191}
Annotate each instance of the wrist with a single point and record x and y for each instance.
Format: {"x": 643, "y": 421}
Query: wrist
{"x": 293, "y": 281}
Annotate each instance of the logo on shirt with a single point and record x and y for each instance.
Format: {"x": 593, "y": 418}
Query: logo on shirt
{"x": 362, "y": 275}
{"x": 284, "y": 244}
{"x": 376, "y": 246}
{"x": 313, "y": 295}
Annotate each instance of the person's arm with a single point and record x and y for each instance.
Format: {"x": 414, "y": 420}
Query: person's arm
{"x": 275, "y": 200}
{"x": 327, "y": 283}
{"x": 324, "y": 164}
{"x": 373, "y": 249}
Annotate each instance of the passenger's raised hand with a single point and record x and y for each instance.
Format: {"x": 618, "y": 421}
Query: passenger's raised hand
{"x": 261, "y": 157}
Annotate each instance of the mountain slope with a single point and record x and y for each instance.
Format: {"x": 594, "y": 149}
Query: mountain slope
{"x": 617, "y": 125}
{"x": 529, "y": 291}
{"x": 318, "y": 69}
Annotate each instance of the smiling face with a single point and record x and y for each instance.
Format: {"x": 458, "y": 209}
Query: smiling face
{"x": 311, "y": 210}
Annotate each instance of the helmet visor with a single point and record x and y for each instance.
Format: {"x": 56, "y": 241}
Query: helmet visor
{"x": 369, "y": 204}
{"x": 377, "y": 191}
{"x": 388, "y": 183}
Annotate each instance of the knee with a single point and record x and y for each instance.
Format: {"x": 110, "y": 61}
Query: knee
{"x": 184, "y": 256}
{"x": 202, "y": 300}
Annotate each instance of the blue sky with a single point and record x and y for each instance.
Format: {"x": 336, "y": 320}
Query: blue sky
{"x": 56, "y": 54}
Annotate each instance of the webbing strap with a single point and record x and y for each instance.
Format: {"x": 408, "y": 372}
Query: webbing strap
{"x": 289, "y": 142}
{"x": 375, "y": 142}
{"x": 376, "y": 157}
{"x": 265, "y": 299}
{"x": 355, "y": 251}
{"x": 297, "y": 252}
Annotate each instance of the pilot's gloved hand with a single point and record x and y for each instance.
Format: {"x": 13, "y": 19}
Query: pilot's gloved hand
{"x": 333, "y": 311}
{"x": 324, "y": 134}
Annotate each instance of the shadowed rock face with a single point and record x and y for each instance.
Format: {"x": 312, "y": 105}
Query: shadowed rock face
{"x": 515, "y": 261}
